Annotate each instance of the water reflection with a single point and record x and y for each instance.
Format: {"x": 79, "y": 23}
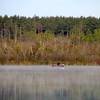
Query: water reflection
{"x": 49, "y": 84}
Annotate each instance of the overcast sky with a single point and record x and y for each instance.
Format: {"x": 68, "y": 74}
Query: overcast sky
{"x": 40, "y": 8}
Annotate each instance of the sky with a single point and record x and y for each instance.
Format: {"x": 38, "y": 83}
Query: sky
{"x": 30, "y": 8}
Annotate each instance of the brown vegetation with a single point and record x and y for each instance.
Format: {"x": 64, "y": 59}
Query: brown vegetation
{"x": 48, "y": 49}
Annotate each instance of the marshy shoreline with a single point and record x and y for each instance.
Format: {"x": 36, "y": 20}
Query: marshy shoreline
{"x": 48, "y": 49}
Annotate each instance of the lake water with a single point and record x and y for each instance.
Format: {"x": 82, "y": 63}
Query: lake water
{"x": 47, "y": 83}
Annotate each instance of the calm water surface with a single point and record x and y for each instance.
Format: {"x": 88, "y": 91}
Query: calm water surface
{"x": 47, "y": 83}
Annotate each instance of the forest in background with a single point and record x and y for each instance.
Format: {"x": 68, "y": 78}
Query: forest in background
{"x": 87, "y": 26}
{"x": 47, "y": 40}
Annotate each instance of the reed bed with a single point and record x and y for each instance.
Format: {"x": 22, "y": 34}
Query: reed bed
{"x": 48, "y": 49}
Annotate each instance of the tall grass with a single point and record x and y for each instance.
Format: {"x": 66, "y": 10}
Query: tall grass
{"x": 47, "y": 49}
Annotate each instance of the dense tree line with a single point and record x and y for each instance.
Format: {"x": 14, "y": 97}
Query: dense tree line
{"x": 57, "y": 25}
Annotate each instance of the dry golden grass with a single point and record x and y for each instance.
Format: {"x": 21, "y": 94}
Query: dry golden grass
{"x": 44, "y": 50}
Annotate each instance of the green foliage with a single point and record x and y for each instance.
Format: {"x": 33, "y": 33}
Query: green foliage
{"x": 88, "y": 38}
{"x": 85, "y": 25}
{"x": 92, "y": 37}
{"x": 97, "y": 35}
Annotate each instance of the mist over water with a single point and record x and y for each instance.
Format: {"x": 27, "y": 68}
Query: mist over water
{"x": 47, "y": 83}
